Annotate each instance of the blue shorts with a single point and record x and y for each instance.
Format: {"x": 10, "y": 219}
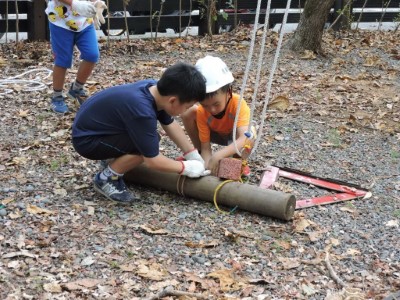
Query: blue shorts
{"x": 64, "y": 40}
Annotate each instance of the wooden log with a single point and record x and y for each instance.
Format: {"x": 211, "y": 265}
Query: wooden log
{"x": 245, "y": 196}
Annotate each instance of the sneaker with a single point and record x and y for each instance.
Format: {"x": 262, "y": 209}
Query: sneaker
{"x": 113, "y": 188}
{"x": 78, "y": 95}
{"x": 58, "y": 105}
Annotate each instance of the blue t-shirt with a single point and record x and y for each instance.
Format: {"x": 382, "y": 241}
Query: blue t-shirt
{"x": 124, "y": 109}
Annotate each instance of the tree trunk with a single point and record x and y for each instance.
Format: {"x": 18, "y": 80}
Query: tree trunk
{"x": 308, "y": 35}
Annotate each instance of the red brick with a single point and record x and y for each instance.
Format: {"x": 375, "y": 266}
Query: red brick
{"x": 230, "y": 168}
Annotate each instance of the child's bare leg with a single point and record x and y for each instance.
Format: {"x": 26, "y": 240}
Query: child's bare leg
{"x": 126, "y": 163}
{"x": 84, "y": 71}
{"x": 76, "y": 91}
{"x": 58, "y": 78}
{"x": 190, "y": 124}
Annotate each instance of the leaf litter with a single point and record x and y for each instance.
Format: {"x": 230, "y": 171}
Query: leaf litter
{"x": 336, "y": 117}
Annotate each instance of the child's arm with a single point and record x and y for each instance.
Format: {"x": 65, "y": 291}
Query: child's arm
{"x": 191, "y": 168}
{"x": 206, "y": 153}
{"x": 227, "y": 151}
{"x": 178, "y": 136}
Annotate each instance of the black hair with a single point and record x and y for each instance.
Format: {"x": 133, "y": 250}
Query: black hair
{"x": 226, "y": 88}
{"x": 184, "y": 81}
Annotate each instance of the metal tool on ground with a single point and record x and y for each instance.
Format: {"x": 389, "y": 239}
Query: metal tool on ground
{"x": 347, "y": 191}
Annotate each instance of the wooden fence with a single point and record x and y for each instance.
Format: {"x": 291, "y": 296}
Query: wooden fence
{"x": 151, "y": 15}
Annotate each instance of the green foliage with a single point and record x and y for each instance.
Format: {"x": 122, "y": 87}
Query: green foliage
{"x": 394, "y": 154}
{"x": 334, "y": 137}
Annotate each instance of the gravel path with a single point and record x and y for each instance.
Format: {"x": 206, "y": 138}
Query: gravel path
{"x": 60, "y": 240}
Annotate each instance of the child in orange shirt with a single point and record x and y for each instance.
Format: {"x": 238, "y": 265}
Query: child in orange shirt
{"x": 213, "y": 120}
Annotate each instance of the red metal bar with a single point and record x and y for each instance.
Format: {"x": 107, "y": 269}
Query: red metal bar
{"x": 348, "y": 193}
{"x": 329, "y": 199}
{"x": 322, "y": 183}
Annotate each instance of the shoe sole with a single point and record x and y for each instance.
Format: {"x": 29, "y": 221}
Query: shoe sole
{"x": 97, "y": 189}
{"x": 59, "y": 112}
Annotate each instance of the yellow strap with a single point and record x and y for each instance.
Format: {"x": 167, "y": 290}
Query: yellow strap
{"x": 215, "y": 196}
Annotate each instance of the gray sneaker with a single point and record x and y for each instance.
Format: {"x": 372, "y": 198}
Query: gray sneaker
{"x": 113, "y": 188}
{"x": 79, "y": 96}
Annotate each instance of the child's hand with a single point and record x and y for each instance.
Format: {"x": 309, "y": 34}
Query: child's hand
{"x": 213, "y": 164}
{"x": 193, "y": 169}
{"x": 193, "y": 155}
{"x": 98, "y": 18}
{"x": 83, "y": 8}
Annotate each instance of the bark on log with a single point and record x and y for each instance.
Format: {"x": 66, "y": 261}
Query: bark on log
{"x": 245, "y": 196}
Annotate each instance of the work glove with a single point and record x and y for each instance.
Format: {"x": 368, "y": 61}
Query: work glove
{"x": 84, "y": 8}
{"x": 193, "y": 155}
{"x": 193, "y": 169}
{"x": 98, "y": 18}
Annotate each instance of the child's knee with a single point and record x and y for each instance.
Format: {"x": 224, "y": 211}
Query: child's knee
{"x": 92, "y": 57}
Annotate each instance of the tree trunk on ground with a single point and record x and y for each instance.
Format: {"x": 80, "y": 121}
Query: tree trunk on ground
{"x": 308, "y": 35}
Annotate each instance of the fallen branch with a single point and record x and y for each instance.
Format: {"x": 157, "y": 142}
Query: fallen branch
{"x": 169, "y": 291}
{"x": 332, "y": 272}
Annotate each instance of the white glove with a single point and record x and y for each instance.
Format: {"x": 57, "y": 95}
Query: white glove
{"x": 193, "y": 155}
{"x": 193, "y": 169}
{"x": 84, "y": 8}
{"x": 98, "y": 18}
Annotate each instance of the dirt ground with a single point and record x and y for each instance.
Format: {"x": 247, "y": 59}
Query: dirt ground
{"x": 336, "y": 117}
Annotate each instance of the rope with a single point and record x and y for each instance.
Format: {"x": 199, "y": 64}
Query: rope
{"x": 215, "y": 197}
{"x": 271, "y": 76}
{"x": 7, "y": 86}
{"x": 180, "y": 184}
{"x": 246, "y": 73}
{"x": 260, "y": 63}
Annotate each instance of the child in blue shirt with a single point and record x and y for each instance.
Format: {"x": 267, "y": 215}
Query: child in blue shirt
{"x": 120, "y": 123}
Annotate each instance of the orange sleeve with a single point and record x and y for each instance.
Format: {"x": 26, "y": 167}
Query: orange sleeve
{"x": 204, "y": 130}
{"x": 244, "y": 114}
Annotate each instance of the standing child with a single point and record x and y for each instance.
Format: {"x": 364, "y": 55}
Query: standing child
{"x": 213, "y": 120}
{"x": 120, "y": 123}
{"x": 70, "y": 24}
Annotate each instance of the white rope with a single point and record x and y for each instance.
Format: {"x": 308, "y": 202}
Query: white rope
{"x": 260, "y": 63}
{"x": 246, "y": 73}
{"x": 271, "y": 76}
{"x": 10, "y": 84}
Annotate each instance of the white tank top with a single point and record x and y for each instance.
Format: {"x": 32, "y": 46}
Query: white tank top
{"x": 61, "y": 14}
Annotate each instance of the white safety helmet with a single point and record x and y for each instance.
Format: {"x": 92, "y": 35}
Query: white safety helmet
{"x": 215, "y": 71}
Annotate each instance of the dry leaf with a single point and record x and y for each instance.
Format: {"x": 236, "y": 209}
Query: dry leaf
{"x": 23, "y": 113}
{"x": 211, "y": 244}
{"x": 280, "y": 103}
{"x": 289, "y": 263}
{"x": 348, "y": 209}
{"x": 225, "y": 277}
{"x": 153, "y": 272}
{"x": 301, "y": 225}
{"x": 392, "y": 223}
{"x": 52, "y": 287}
{"x": 37, "y": 210}
{"x": 153, "y": 230}
{"x": 352, "y": 251}
{"x": 19, "y": 253}
{"x": 308, "y": 55}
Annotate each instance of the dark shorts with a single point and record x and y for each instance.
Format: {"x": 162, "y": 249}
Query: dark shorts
{"x": 223, "y": 140}
{"x": 101, "y": 147}
{"x": 104, "y": 146}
